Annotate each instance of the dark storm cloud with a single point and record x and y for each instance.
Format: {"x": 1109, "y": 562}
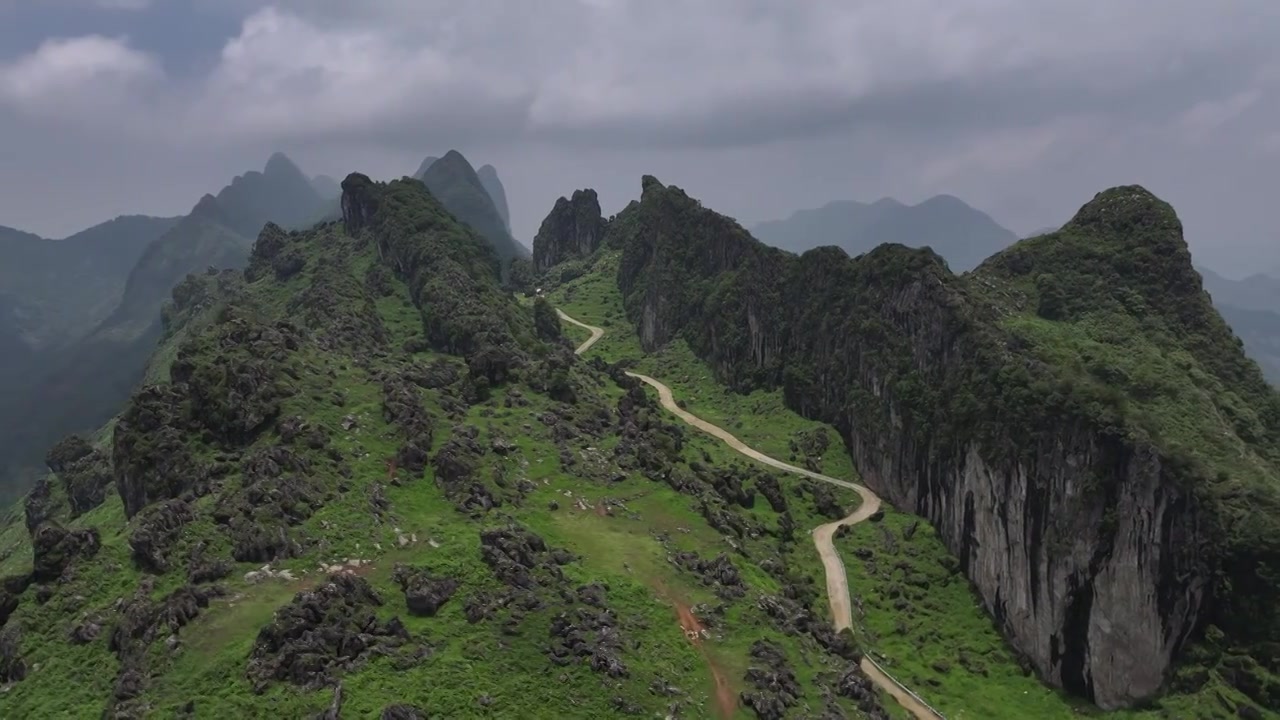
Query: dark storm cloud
{"x": 1027, "y": 106}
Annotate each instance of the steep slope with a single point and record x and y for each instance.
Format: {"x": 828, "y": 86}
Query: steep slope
{"x": 945, "y": 224}
{"x": 83, "y": 384}
{"x": 65, "y": 287}
{"x": 489, "y": 179}
{"x": 456, "y": 184}
{"x": 1074, "y": 418}
{"x": 372, "y": 482}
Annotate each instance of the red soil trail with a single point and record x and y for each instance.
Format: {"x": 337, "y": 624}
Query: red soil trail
{"x": 726, "y": 699}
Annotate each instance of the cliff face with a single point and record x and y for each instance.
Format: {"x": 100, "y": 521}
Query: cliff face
{"x": 1081, "y": 543}
{"x": 1098, "y": 533}
{"x": 574, "y": 229}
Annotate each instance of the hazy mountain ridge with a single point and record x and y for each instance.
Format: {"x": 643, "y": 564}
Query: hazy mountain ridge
{"x": 959, "y": 233}
{"x": 62, "y": 288}
{"x": 460, "y": 189}
{"x": 1252, "y": 307}
{"x": 83, "y": 384}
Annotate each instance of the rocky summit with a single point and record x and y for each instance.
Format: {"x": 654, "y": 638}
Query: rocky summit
{"x": 394, "y": 468}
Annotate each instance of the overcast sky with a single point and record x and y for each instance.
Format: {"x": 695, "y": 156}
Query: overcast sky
{"x": 1023, "y": 108}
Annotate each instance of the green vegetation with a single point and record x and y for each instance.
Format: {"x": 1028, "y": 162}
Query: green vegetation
{"x": 429, "y": 410}
{"x": 1112, "y": 306}
{"x": 1094, "y": 343}
{"x": 114, "y": 279}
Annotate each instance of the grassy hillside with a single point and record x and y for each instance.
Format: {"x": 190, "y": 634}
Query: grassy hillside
{"x": 1107, "y": 317}
{"x": 326, "y": 423}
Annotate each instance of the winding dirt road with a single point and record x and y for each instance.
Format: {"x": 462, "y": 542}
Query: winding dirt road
{"x": 596, "y": 333}
{"x": 823, "y": 535}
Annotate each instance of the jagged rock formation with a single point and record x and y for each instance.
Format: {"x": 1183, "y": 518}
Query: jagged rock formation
{"x": 1102, "y": 537}
{"x": 573, "y": 229}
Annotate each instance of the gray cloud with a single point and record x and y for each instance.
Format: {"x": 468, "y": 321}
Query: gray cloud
{"x": 1022, "y": 106}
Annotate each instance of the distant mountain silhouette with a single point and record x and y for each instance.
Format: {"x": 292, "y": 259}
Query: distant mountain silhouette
{"x": 1252, "y": 308}
{"x": 959, "y": 233}
{"x": 426, "y": 164}
{"x": 82, "y": 385}
{"x": 58, "y": 290}
{"x": 1256, "y": 292}
{"x": 326, "y": 187}
{"x": 453, "y": 181}
{"x": 489, "y": 179}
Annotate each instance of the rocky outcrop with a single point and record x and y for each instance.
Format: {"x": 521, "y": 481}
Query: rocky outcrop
{"x": 359, "y": 202}
{"x": 450, "y": 274}
{"x": 424, "y": 594}
{"x": 574, "y": 229}
{"x": 321, "y": 633}
{"x": 12, "y": 667}
{"x": 1085, "y": 538}
{"x": 85, "y": 473}
{"x": 775, "y": 688}
{"x": 56, "y": 548}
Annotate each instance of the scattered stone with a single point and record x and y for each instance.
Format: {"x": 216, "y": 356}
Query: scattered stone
{"x": 155, "y": 532}
{"x": 589, "y": 636}
{"x": 776, "y": 687}
{"x": 514, "y": 554}
{"x": 322, "y": 632}
{"x": 86, "y": 632}
{"x": 719, "y": 573}
{"x": 402, "y": 407}
{"x": 423, "y": 593}
{"x": 12, "y": 667}
{"x": 55, "y": 548}
{"x": 856, "y": 686}
{"x": 85, "y": 473}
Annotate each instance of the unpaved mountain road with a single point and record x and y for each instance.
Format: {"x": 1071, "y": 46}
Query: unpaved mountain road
{"x": 823, "y": 535}
{"x": 596, "y": 333}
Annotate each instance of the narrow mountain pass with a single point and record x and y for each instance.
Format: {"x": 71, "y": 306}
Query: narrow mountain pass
{"x": 823, "y": 535}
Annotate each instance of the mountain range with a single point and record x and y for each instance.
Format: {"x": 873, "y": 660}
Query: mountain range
{"x": 944, "y": 223}
{"x": 80, "y": 382}
{"x": 339, "y": 469}
{"x": 965, "y": 237}
{"x": 82, "y": 315}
